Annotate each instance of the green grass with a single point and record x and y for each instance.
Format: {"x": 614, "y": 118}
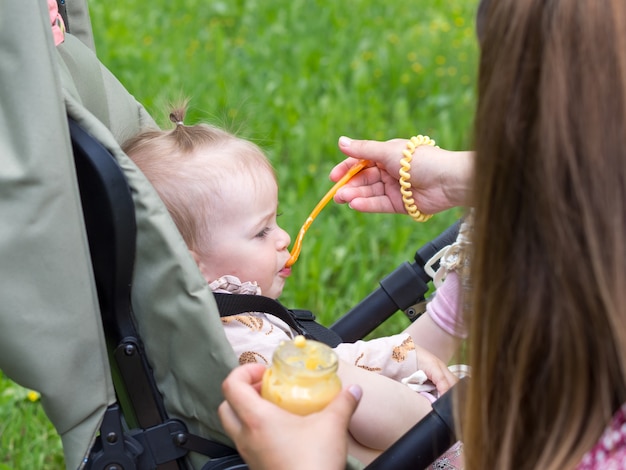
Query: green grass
{"x": 295, "y": 75}
{"x": 292, "y": 75}
{"x": 27, "y": 439}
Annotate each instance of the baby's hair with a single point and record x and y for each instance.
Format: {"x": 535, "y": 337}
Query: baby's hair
{"x": 184, "y": 134}
{"x": 191, "y": 166}
{"x": 177, "y": 115}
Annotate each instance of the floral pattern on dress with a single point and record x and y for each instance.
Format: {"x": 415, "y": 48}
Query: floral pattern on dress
{"x": 358, "y": 363}
{"x": 451, "y": 460}
{"x": 609, "y": 453}
{"x": 255, "y": 323}
{"x": 400, "y": 353}
{"x": 248, "y": 357}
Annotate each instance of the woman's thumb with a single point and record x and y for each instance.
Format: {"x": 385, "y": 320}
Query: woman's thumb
{"x": 356, "y": 148}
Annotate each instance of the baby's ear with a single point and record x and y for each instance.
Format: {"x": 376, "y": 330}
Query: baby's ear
{"x": 203, "y": 268}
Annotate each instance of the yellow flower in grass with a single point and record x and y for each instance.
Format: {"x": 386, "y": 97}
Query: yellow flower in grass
{"x": 417, "y": 67}
{"x": 33, "y": 396}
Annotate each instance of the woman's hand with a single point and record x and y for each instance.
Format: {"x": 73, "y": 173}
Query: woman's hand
{"x": 268, "y": 437}
{"x": 439, "y": 178}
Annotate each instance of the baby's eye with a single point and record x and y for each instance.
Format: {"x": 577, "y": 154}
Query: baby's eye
{"x": 263, "y": 233}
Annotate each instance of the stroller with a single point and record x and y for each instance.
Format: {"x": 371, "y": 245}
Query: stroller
{"x": 100, "y": 245}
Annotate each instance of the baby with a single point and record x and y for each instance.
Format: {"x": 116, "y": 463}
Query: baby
{"x": 222, "y": 193}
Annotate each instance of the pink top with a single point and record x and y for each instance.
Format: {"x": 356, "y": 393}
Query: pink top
{"x": 445, "y": 307}
{"x": 58, "y": 26}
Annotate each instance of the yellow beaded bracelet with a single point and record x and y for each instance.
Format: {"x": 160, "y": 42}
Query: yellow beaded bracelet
{"x": 405, "y": 176}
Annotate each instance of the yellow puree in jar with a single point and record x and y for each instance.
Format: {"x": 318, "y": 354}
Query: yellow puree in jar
{"x": 303, "y": 377}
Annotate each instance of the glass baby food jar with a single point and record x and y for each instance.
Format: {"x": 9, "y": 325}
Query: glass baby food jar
{"x": 303, "y": 376}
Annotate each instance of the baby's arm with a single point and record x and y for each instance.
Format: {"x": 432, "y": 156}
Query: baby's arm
{"x": 440, "y": 330}
{"x": 429, "y": 335}
{"x": 387, "y": 410}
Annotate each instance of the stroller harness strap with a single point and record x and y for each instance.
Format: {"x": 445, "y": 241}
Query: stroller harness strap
{"x": 301, "y": 321}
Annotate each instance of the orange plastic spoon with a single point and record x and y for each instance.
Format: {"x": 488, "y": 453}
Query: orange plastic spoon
{"x": 295, "y": 252}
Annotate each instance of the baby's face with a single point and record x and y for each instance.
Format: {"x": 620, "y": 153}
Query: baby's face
{"x": 247, "y": 242}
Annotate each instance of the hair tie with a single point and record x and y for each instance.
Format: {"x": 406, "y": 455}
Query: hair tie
{"x": 177, "y": 120}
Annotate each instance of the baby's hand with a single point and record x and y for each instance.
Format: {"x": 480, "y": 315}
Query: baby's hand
{"x": 435, "y": 369}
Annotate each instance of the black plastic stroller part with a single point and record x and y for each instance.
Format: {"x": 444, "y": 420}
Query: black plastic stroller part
{"x": 153, "y": 440}
{"x": 402, "y": 289}
{"x": 428, "y": 439}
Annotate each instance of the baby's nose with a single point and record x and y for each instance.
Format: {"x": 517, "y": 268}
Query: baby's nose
{"x": 285, "y": 239}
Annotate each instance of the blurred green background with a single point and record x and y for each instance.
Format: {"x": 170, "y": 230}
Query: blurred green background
{"x": 293, "y": 76}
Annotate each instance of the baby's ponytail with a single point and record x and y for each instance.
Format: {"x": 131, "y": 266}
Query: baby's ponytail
{"x": 182, "y": 134}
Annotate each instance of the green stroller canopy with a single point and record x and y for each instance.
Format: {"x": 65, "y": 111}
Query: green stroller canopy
{"x": 51, "y": 337}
